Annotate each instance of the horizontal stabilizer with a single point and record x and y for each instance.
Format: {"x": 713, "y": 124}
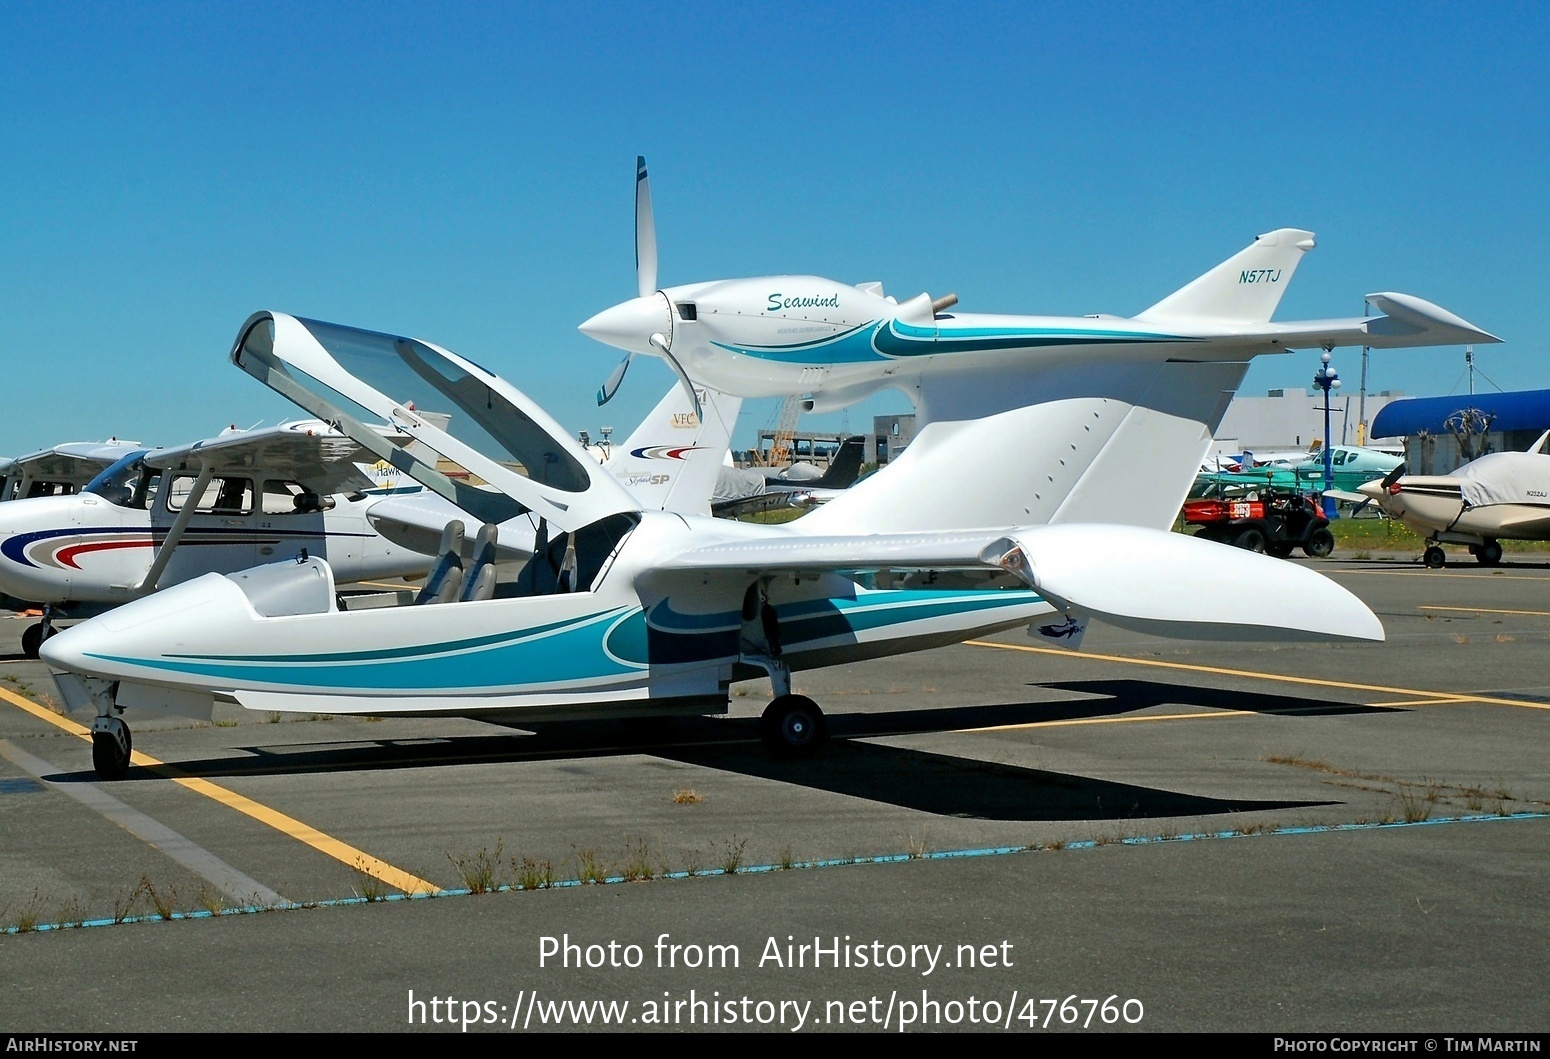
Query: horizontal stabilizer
{"x": 1169, "y": 584}
{"x": 1246, "y": 287}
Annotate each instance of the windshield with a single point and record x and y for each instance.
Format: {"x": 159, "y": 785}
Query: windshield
{"x": 127, "y": 483}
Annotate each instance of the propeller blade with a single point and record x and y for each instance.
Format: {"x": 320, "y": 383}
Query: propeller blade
{"x": 659, "y": 343}
{"x": 1393, "y": 476}
{"x": 610, "y": 385}
{"x": 645, "y": 233}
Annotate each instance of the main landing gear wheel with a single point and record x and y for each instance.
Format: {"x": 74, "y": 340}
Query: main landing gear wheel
{"x": 793, "y": 726}
{"x": 1489, "y": 553}
{"x": 1320, "y": 544}
{"x": 1435, "y": 557}
{"x": 33, "y": 637}
{"x": 111, "y": 745}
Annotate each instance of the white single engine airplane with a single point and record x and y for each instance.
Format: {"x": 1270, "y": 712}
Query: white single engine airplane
{"x": 625, "y": 610}
{"x": 158, "y": 517}
{"x": 837, "y": 342}
{"x": 1500, "y": 496}
{"x": 61, "y": 470}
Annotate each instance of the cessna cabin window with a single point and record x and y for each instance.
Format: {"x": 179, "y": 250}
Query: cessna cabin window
{"x": 223, "y": 496}
{"x": 128, "y": 483}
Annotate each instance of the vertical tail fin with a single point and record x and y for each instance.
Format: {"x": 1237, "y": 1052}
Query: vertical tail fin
{"x": 672, "y": 459}
{"x": 1246, "y": 287}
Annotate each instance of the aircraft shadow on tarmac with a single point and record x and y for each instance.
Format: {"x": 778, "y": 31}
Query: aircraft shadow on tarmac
{"x": 928, "y": 781}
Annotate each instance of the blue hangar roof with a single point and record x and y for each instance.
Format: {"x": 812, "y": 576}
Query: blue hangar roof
{"x": 1519, "y": 410}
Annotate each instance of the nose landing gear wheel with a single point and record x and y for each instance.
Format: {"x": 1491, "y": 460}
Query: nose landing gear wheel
{"x": 792, "y": 726}
{"x": 111, "y": 745}
{"x": 1435, "y": 557}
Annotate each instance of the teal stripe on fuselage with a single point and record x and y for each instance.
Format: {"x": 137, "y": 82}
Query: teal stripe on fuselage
{"x": 895, "y": 339}
{"x": 590, "y": 649}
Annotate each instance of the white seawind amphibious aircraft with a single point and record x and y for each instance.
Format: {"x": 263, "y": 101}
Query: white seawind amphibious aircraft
{"x": 837, "y": 342}
{"x": 158, "y": 517}
{"x": 635, "y": 611}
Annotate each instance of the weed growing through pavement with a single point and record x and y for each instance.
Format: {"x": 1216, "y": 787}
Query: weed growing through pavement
{"x": 687, "y": 796}
{"x": 211, "y": 900}
{"x": 692, "y": 865}
{"x": 368, "y": 885}
{"x": 915, "y": 848}
{"x": 535, "y": 874}
{"x": 787, "y": 858}
{"x": 638, "y": 864}
{"x": 480, "y": 871}
{"x": 70, "y": 914}
{"x": 163, "y": 902}
{"x": 732, "y": 855}
{"x": 589, "y": 868}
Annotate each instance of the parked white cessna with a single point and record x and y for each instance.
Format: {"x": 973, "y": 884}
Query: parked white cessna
{"x": 630, "y": 611}
{"x": 158, "y": 517}
{"x": 1500, "y": 496}
{"x": 62, "y": 469}
{"x": 837, "y": 343}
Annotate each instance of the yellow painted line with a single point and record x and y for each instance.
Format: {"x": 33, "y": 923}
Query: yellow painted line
{"x": 1344, "y": 685}
{"x": 1429, "y": 573}
{"x": 1202, "y": 716}
{"x": 1451, "y": 700}
{"x": 1488, "y": 610}
{"x": 288, "y": 825}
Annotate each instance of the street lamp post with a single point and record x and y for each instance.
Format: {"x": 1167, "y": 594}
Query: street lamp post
{"x": 1327, "y": 379}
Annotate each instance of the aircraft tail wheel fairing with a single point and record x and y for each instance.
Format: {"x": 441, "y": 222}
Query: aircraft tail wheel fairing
{"x": 1435, "y": 557}
{"x": 111, "y": 745}
{"x": 1489, "y": 553}
{"x": 793, "y": 726}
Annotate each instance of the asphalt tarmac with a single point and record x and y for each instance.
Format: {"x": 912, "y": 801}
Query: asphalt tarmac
{"x": 999, "y": 835}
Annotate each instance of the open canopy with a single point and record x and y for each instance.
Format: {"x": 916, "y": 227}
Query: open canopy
{"x": 475, "y": 439}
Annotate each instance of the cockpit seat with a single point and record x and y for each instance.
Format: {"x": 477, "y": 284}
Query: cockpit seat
{"x": 480, "y": 581}
{"x": 446, "y": 577}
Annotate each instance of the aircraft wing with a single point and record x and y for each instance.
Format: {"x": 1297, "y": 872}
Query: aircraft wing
{"x": 1147, "y": 580}
{"x": 1409, "y": 321}
{"x": 416, "y": 520}
{"x": 309, "y": 452}
{"x": 74, "y": 461}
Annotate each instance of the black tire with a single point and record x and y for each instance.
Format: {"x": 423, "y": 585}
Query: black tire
{"x": 1279, "y": 549}
{"x": 1250, "y": 540}
{"x": 1321, "y": 544}
{"x": 793, "y": 726}
{"x": 32, "y": 639}
{"x": 1489, "y": 553}
{"x": 109, "y": 759}
{"x": 1435, "y": 557}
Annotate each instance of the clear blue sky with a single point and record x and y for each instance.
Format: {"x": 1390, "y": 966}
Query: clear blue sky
{"x": 464, "y": 173}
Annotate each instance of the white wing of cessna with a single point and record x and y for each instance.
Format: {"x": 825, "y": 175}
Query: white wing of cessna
{"x": 62, "y": 469}
{"x": 1500, "y": 496}
{"x": 625, "y": 609}
{"x": 837, "y": 342}
{"x": 158, "y": 517}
